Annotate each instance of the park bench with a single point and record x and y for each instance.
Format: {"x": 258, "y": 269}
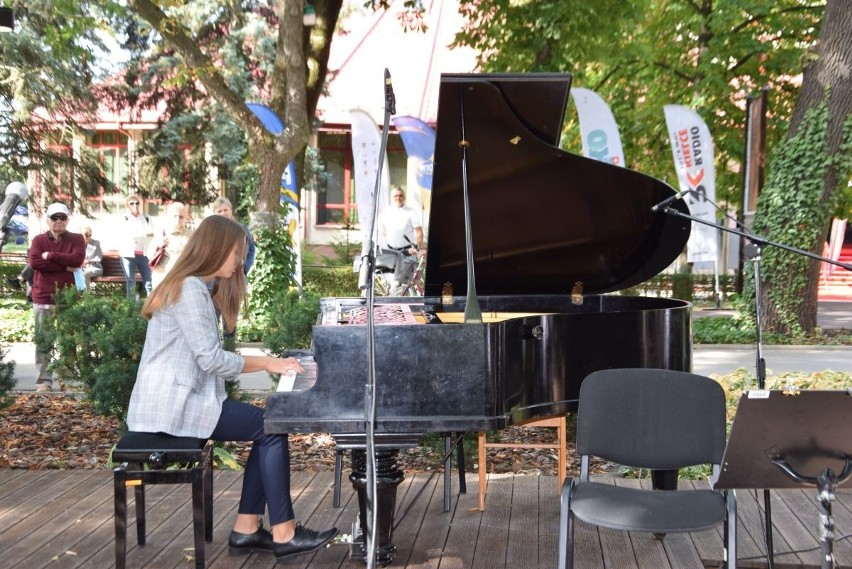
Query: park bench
{"x": 113, "y": 273}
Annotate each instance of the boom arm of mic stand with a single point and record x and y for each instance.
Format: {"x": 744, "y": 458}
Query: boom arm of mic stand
{"x": 756, "y": 238}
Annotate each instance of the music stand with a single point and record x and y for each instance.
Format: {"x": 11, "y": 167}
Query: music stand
{"x": 782, "y": 439}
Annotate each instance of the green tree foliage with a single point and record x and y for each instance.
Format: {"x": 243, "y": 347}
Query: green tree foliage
{"x": 807, "y": 178}
{"x": 642, "y": 54}
{"x": 51, "y": 67}
{"x": 224, "y": 54}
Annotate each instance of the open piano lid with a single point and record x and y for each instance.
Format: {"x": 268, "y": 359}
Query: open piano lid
{"x": 542, "y": 218}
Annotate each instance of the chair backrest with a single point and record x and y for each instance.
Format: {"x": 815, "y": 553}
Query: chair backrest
{"x": 651, "y": 418}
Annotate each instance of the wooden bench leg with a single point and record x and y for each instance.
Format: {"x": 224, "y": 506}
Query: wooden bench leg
{"x": 198, "y": 515}
{"x": 120, "y": 498}
{"x": 208, "y": 503}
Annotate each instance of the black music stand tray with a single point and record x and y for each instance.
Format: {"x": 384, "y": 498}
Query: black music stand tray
{"x": 783, "y": 439}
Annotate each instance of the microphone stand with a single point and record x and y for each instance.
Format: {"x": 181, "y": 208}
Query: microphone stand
{"x": 366, "y": 281}
{"x": 753, "y": 251}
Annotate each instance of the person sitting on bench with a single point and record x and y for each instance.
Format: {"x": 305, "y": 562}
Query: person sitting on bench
{"x": 180, "y": 385}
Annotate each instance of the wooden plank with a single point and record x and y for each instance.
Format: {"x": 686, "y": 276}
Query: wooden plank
{"x": 16, "y": 508}
{"x": 548, "y": 522}
{"x": 493, "y": 530}
{"x": 799, "y": 539}
{"x": 80, "y": 531}
{"x": 13, "y": 480}
{"x": 417, "y": 533}
{"x": 588, "y": 548}
{"x": 804, "y": 505}
{"x": 217, "y": 551}
{"x": 460, "y": 547}
{"x": 522, "y": 545}
{"x": 50, "y": 521}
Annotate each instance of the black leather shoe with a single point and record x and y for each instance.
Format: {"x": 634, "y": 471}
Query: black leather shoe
{"x": 244, "y": 543}
{"x": 305, "y": 541}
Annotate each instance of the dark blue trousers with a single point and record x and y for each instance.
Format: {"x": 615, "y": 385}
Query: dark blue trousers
{"x": 266, "y": 482}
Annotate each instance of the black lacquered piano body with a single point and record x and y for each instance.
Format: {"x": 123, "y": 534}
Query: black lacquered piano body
{"x": 551, "y": 234}
{"x": 479, "y": 377}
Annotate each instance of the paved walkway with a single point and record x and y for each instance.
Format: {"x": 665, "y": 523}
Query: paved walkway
{"x": 707, "y": 359}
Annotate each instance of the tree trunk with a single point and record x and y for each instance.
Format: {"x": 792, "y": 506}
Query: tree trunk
{"x": 826, "y": 79}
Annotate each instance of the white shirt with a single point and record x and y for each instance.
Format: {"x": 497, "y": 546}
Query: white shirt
{"x": 399, "y": 223}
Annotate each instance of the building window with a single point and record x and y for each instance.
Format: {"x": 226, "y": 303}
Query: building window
{"x": 111, "y": 147}
{"x": 336, "y": 203}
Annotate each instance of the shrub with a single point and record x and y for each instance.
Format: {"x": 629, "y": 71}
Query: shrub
{"x": 17, "y": 321}
{"x": 291, "y": 327}
{"x": 97, "y": 347}
{"x": 7, "y": 380}
{"x": 270, "y": 278}
{"x": 328, "y": 281}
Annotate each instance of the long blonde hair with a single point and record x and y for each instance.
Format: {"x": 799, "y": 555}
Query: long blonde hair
{"x": 205, "y": 252}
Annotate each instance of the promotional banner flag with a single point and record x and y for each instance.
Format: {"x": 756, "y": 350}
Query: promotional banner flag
{"x": 601, "y": 140}
{"x": 419, "y": 141}
{"x": 292, "y": 217}
{"x": 289, "y": 199}
{"x": 692, "y": 148}
{"x": 366, "y": 145}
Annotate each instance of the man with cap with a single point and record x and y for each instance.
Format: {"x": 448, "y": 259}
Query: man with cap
{"x": 53, "y": 256}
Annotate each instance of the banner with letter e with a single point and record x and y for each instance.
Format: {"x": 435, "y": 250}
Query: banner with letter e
{"x": 692, "y": 149}
{"x": 601, "y": 140}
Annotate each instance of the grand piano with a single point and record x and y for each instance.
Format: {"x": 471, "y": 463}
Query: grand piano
{"x": 552, "y": 237}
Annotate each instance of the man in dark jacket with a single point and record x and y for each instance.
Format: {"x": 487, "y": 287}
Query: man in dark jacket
{"x": 53, "y": 255}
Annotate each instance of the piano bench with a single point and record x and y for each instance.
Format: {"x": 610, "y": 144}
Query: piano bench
{"x": 557, "y": 422}
{"x": 158, "y": 458}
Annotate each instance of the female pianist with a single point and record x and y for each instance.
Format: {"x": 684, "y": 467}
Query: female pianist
{"x": 180, "y": 386}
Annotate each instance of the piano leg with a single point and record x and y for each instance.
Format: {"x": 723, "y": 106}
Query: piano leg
{"x": 388, "y": 477}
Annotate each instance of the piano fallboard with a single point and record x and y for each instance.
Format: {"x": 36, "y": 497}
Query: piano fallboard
{"x": 479, "y": 377}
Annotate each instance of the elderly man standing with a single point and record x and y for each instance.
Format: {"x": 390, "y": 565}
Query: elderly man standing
{"x": 54, "y": 255}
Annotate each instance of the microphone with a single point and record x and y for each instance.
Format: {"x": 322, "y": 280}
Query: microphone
{"x": 16, "y": 193}
{"x": 390, "y": 100}
{"x": 670, "y": 199}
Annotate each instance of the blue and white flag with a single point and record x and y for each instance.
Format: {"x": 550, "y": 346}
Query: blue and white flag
{"x": 692, "y": 149}
{"x": 366, "y": 146}
{"x": 419, "y": 141}
{"x": 598, "y": 130}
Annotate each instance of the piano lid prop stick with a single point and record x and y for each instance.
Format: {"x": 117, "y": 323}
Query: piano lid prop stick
{"x": 472, "y": 312}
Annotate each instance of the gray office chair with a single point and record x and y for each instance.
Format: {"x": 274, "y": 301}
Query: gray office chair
{"x": 654, "y": 419}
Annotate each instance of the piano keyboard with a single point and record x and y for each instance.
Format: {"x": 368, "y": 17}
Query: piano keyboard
{"x": 300, "y": 381}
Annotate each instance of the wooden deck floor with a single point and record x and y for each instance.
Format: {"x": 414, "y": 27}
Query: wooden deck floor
{"x": 64, "y": 519}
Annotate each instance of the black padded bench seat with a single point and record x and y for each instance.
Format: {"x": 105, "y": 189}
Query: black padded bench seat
{"x": 158, "y": 458}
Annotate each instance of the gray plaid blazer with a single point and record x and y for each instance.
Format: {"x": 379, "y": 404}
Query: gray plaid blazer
{"x": 180, "y": 385}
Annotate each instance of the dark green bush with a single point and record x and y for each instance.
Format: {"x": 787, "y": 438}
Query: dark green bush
{"x": 722, "y": 330}
{"x": 98, "y": 344}
{"x": 7, "y": 380}
{"x": 291, "y": 327}
{"x": 331, "y": 281}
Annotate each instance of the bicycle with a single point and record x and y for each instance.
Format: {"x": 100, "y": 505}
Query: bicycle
{"x": 399, "y": 274}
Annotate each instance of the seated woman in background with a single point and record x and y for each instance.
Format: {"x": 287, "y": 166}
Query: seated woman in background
{"x": 180, "y": 385}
